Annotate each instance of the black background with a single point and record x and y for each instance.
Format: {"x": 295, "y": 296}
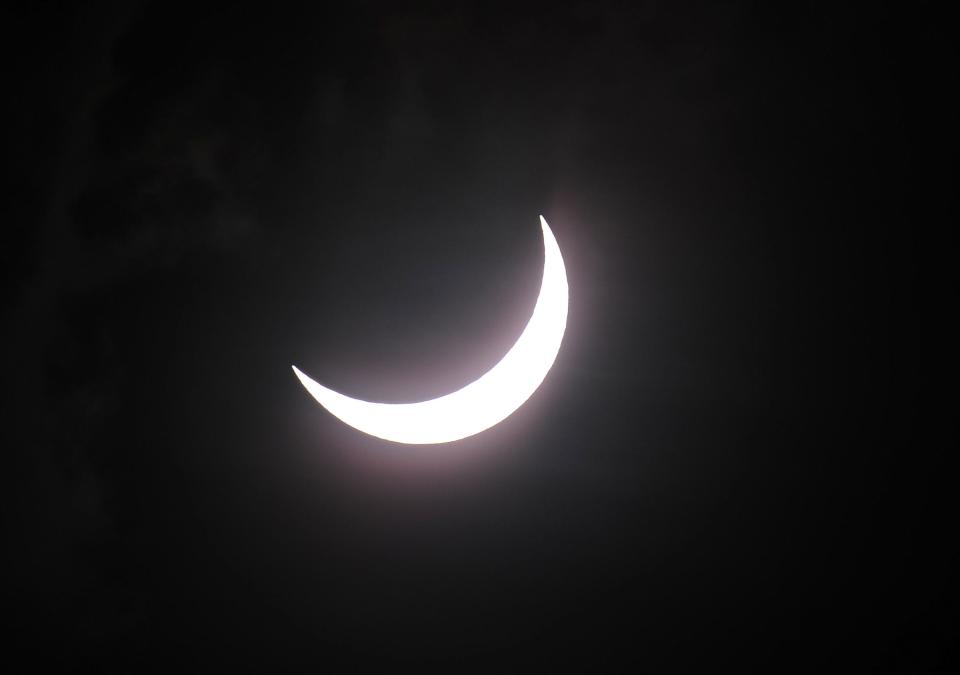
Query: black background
{"x": 737, "y": 459}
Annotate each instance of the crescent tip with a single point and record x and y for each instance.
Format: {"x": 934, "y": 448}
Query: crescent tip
{"x": 304, "y": 378}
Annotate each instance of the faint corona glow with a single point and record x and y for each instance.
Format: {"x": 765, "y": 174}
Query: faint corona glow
{"x": 485, "y": 401}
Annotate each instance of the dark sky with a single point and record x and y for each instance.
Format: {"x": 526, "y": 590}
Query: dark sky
{"x": 738, "y": 458}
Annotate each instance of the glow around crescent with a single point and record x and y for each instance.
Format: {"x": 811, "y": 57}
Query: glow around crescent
{"x": 485, "y": 401}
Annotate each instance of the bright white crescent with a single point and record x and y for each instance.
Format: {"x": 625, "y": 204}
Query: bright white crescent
{"x": 485, "y": 401}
